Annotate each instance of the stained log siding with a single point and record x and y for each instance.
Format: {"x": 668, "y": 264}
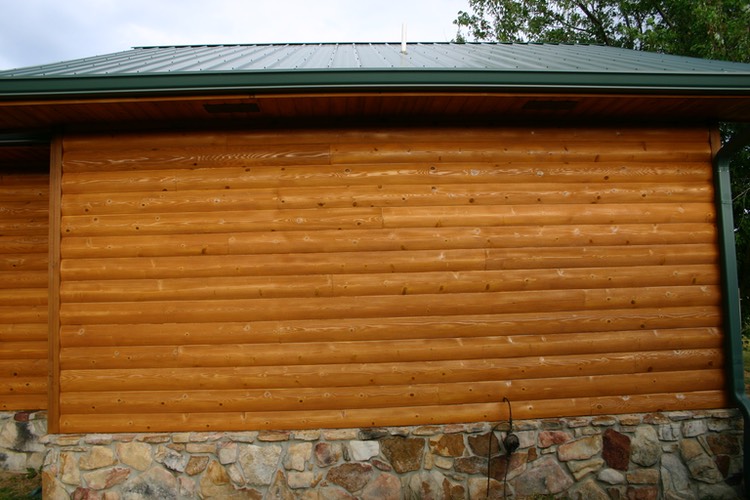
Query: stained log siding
{"x": 24, "y": 227}
{"x": 329, "y": 278}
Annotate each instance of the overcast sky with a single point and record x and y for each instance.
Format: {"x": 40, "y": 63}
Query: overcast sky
{"x": 44, "y": 31}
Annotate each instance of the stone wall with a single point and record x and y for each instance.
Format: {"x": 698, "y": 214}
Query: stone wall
{"x": 20, "y": 435}
{"x": 674, "y": 455}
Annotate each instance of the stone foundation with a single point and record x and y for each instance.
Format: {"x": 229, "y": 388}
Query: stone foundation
{"x": 20, "y": 435}
{"x": 674, "y": 455}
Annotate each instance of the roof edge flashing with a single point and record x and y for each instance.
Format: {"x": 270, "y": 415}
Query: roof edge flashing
{"x": 368, "y": 79}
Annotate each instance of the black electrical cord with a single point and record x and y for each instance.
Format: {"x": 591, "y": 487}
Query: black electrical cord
{"x": 510, "y": 443}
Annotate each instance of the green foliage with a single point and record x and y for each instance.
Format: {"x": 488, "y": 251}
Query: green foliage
{"x": 717, "y": 29}
{"x": 710, "y": 29}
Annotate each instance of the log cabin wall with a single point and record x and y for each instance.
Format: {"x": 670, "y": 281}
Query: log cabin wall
{"x": 351, "y": 278}
{"x": 24, "y": 226}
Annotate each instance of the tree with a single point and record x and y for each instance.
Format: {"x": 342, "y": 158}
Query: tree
{"x": 710, "y": 29}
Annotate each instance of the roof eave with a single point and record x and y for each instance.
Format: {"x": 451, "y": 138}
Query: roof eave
{"x": 133, "y": 85}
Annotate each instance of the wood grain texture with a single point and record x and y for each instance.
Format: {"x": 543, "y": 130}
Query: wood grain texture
{"x": 24, "y": 227}
{"x": 341, "y": 278}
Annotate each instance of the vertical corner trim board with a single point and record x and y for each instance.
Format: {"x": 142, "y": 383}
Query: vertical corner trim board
{"x": 340, "y": 278}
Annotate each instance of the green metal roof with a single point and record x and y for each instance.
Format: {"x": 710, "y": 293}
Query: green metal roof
{"x": 381, "y": 66}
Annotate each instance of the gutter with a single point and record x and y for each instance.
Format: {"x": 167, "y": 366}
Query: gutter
{"x": 382, "y": 80}
{"x": 732, "y": 316}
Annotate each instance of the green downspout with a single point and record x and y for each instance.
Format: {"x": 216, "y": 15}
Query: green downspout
{"x": 732, "y": 316}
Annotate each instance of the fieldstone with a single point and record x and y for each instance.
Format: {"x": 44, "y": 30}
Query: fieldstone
{"x": 603, "y": 421}
{"x": 404, "y": 454}
{"x": 693, "y": 428}
{"x": 13, "y": 461}
{"x": 352, "y": 477}
{"x": 372, "y": 433}
{"x": 241, "y": 437}
{"x": 201, "y": 448}
{"x": 340, "y": 434}
{"x": 102, "y": 479}
{"x": 181, "y": 437}
{"x": 426, "y": 430}
{"x": 588, "y": 490}
{"x": 227, "y": 452}
{"x": 642, "y": 493}
{"x": 515, "y": 465}
{"x": 8, "y": 435}
{"x": 723, "y": 444}
{"x": 187, "y": 487}
{"x": 526, "y": 439}
{"x": 471, "y": 465}
{"x": 580, "y": 449}
{"x": 579, "y": 468}
{"x": 102, "y": 439}
{"x": 669, "y": 432}
{"x": 674, "y": 477}
{"x": 273, "y": 436}
{"x": 380, "y": 465}
{"x": 645, "y": 447}
{"x": 699, "y": 464}
{"x": 334, "y": 493}
{"x": 216, "y": 483}
{"x": 66, "y": 440}
{"x": 478, "y": 489}
{"x": 327, "y": 454}
{"x": 135, "y": 455}
{"x": 364, "y": 450}
{"x": 175, "y": 461}
{"x": 546, "y": 477}
{"x": 298, "y": 480}
{"x": 453, "y": 491}
{"x": 156, "y": 438}
{"x": 611, "y": 476}
{"x": 443, "y": 462}
{"x": 96, "y": 458}
{"x": 576, "y": 422}
{"x": 52, "y": 488}
{"x": 70, "y": 474}
{"x": 383, "y": 487}
{"x": 425, "y": 484}
{"x": 616, "y": 449}
{"x": 27, "y": 437}
{"x": 235, "y": 474}
{"x": 156, "y": 482}
{"x": 655, "y": 418}
{"x": 306, "y": 435}
{"x": 259, "y": 463}
{"x": 723, "y": 463}
{"x": 196, "y": 465}
{"x": 297, "y": 456}
{"x": 279, "y": 489}
{"x": 643, "y": 476}
{"x": 480, "y": 444}
{"x": 550, "y": 438}
{"x": 721, "y": 424}
{"x": 551, "y": 424}
{"x": 704, "y": 469}
{"x": 448, "y": 445}
{"x": 86, "y": 494}
{"x": 690, "y": 449}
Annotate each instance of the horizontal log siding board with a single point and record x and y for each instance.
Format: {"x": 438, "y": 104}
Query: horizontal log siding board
{"x": 24, "y": 228}
{"x": 329, "y": 278}
{"x": 392, "y": 416}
